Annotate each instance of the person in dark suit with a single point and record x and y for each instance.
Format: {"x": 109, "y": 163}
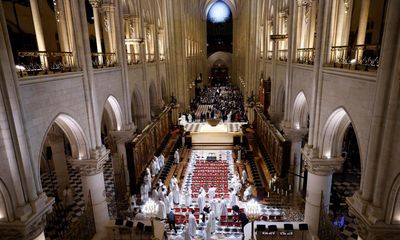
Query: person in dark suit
{"x": 171, "y": 220}
{"x": 242, "y": 216}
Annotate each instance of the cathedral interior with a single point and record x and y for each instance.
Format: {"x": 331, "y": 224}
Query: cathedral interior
{"x": 200, "y": 119}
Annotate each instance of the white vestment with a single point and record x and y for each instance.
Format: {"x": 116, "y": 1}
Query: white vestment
{"x": 190, "y": 118}
{"x": 176, "y": 157}
{"x": 187, "y": 232}
{"x": 188, "y": 198}
{"x": 192, "y": 225}
{"x": 232, "y": 198}
{"x": 244, "y": 176}
{"x": 211, "y": 193}
{"x": 161, "y": 210}
{"x": 161, "y": 161}
{"x": 247, "y": 193}
{"x": 144, "y": 192}
{"x": 207, "y": 234}
{"x": 171, "y": 199}
{"x": 211, "y": 221}
{"x": 176, "y": 194}
{"x": 224, "y": 208}
{"x": 201, "y": 201}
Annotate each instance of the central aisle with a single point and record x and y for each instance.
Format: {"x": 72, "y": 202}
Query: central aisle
{"x": 209, "y": 168}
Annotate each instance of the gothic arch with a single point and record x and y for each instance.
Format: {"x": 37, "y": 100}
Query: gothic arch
{"x": 230, "y": 3}
{"x": 6, "y": 205}
{"x": 393, "y": 209}
{"x": 280, "y": 99}
{"x": 74, "y": 133}
{"x": 333, "y": 133}
{"x": 300, "y": 111}
{"x": 113, "y": 110}
{"x": 137, "y": 109}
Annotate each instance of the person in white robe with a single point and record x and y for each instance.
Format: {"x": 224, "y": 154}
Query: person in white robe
{"x": 147, "y": 179}
{"x": 161, "y": 210}
{"x": 161, "y": 161}
{"x": 172, "y": 182}
{"x": 214, "y": 207}
{"x": 232, "y": 198}
{"x": 190, "y": 118}
{"x": 176, "y": 157}
{"x": 188, "y": 197}
{"x": 192, "y": 225}
{"x": 223, "y": 207}
{"x": 154, "y": 195}
{"x": 176, "y": 194}
{"x": 167, "y": 203}
{"x": 248, "y": 193}
{"x": 171, "y": 199}
{"x": 211, "y": 221}
{"x": 202, "y": 192}
{"x": 144, "y": 193}
{"x": 187, "y": 232}
{"x": 207, "y": 231}
{"x": 201, "y": 201}
{"x": 154, "y": 168}
{"x": 244, "y": 176}
{"x": 211, "y": 193}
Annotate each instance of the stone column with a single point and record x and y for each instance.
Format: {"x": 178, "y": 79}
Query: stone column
{"x": 319, "y": 180}
{"x": 295, "y": 136}
{"x": 37, "y": 23}
{"x": 118, "y": 150}
{"x": 93, "y": 182}
{"x": 97, "y": 28}
{"x": 60, "y": 164}
{"x": 362, "y": 27}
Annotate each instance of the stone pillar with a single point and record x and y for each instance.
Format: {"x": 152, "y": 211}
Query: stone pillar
{"x": 60, "y": 164}
{"x": 97, "y": 28}
{"x": 319, "y": 180}
{"x": 295, "y": 136}
{"x": 37, "y": 23}
{"x": 93, "y": 182}
{"x": 118, "y": 150}
{"x": 362, "y": 27}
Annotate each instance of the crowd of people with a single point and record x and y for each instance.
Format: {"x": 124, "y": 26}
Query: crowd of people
{"x": 225, "y": 102}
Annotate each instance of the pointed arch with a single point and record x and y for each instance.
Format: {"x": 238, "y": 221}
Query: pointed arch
{"x": 137, "y": 108}
{"x": 230, "y": 3}
{"x": 74, "y": 133}
{"x": 113, "y": 109}
{"x": 6, "y": 205}
{"x": 393, "y": 209}
{"x": 300, "y": 111}
{"x": 333, "y": 133}
{"x": 280, "y": 99}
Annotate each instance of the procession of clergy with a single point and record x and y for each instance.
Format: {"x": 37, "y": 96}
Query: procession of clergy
{"x": 213, "y": 207}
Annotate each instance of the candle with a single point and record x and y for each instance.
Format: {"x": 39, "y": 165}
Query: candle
{"x": 290, "y": 187}
{"x": 274, "y": 188}
{"x": 278, "y": 190}
{"x": 268, "y": 194}
{"x": 286, "y": 193}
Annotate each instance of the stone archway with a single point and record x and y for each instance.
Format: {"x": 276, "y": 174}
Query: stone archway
{"x": 300, "y": 112}
{"x": 111, "y": 119}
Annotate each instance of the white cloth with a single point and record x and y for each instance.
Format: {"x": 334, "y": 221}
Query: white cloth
{"x": 224, "y": 208}
{"x": 144, "y": 192}
{"x": 161, "y": 161}
{"x": 147, "y": 180}
{"x": 176, "y": 157}
{"x": 171, "y": 199}
{"x": 247, "y": 193}
{"x": 192, "y": 225}
{"x": 190, "y": 118}
{"x": 244, "y": 176}
{"x": 201, "y": 201}
{"x": 154, "y": 195}
{"x": 207, "y": 235}
{"x": 188, "y": 198}
{"x": 167, "y": 204}
{"x": 172, "y": 183}
{"x": 211, "y": 193}
{"x": 211, "y": 221}
{"x": 161, "y": 210}
{"x": 214, "y": 207}
{"x": 232, "y": 198}
{"x": 154, "y": 167}
{"x": 176, "y": 194}
{"x": 187, "y": 232}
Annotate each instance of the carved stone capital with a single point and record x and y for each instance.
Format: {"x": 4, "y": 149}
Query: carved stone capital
{"x": 295, "y": 135}
{"x": 89, "y": 167}
{"x": 323, "y": 167}
{"x": 95, "y": 3}
{"x": 29, "y": 228}
{"x": 122, "y": 136}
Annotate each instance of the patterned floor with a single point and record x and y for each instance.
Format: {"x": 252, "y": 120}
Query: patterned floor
{"x": 345, "y": 185}
{"x": 49, "y": 182}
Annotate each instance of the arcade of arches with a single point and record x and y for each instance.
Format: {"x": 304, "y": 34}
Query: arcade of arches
{"x": 199, "y": 119}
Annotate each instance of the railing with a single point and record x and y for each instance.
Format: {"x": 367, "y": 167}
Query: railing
{"x": 133, "y": 58}
{"x": 42, "y": 62}
{"x": 269, "y": 55}
{"x": 101, "y": 60}
{"x": 306, "y": 55}
{"x": 282, "y": 55}
{"x": 359, "y": 57}
{"x": 150, "y": 57}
